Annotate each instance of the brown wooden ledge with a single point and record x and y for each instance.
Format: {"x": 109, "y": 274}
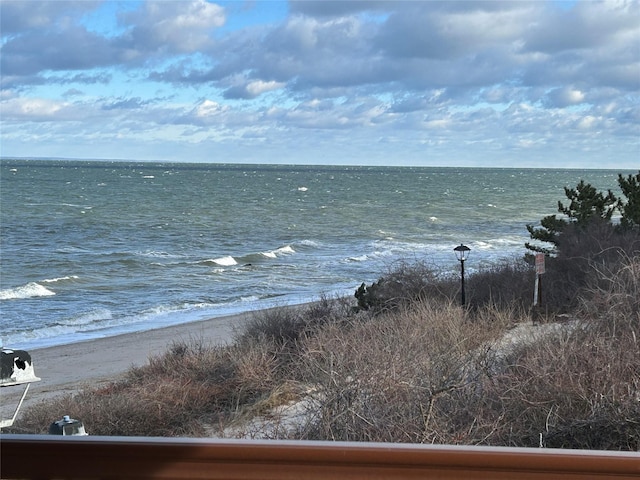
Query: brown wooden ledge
{"x": 47, "y": 457}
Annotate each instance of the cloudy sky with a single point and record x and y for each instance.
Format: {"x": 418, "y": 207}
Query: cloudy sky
{"x": 449, "y": 83}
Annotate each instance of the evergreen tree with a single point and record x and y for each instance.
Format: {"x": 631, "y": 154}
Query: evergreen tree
{"x": 548, "y": 232}
{"x": 586, "y": 204}
{"x": 630, "y": 210}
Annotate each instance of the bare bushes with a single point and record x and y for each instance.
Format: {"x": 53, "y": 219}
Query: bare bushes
{"x": 585, "y": 250}
{"x": 403, "y": 284}
{"x": 166, "y": 397}
{"x": 287, "y": 325}
{"x": 171, "y": 395}
{"x": 423, "y": 371}
{"x": 578, "y": 388}
{"x": 383, "y": 380}
{"x": 193, "y": 384}
{"x": 571, "y": 390}
{"x": 282, "y": 332}
{"x": 159, "y": 409}
{"x": 614, "y": 295}
{"x": 503, "y": 285}
{"x": 435, "y": 373}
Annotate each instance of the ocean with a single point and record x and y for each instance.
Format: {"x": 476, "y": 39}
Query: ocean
{"x": 92, "y": 249}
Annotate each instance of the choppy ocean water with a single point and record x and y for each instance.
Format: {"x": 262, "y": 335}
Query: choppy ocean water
{"x": 94, "y": 249}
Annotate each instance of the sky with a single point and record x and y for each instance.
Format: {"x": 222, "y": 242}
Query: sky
{"x": 434, "y": 83}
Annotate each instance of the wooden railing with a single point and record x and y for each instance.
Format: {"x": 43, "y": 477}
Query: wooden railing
{"x": 44, "y": 457}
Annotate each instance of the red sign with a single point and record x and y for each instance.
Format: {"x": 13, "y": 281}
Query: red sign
{"x": 539, "y": 263}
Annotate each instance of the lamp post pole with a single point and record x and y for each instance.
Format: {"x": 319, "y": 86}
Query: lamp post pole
{"x": 462, "y": 282}
{"x": 462, "y": 253}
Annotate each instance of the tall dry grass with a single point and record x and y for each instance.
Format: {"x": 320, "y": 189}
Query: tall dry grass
{"x": 389, "y": 379}
{"x": 193, "y": 385}
{"x": 577, "y": 388}
{"x": 425, "y": 370}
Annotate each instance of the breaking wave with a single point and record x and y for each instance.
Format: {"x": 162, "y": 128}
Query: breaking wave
{"x": 30, "y": 290}
{"x": 229, "y": 260}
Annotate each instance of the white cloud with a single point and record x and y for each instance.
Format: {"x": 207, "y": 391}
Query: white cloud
{"x": 209, "y": 108}
{"x": 33, "y": 109}
{"x": 501, "y": 75}
{"x": 181, "y": 26}
{"x": 259, "y": 87}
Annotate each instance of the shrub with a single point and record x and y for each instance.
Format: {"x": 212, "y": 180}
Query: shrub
{"x": 403, "y": 284}
{"x": 578, "y": 387}
{"x": 278, "y": 325}
{"x": 286, "y": 325}
{"x": 585, "y": 251}
{"x": 425, "y": 370}
{"x": 504, "y": 285}
{"x": 381, "y": 380}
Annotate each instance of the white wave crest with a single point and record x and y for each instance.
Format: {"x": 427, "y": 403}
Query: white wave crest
{"x": 309, "y": 243}
{"x": 60, "y": 279}
{"x": 286, "y": 250}
{"x": 30, "y": 290}
{"x": 225, "y": 261}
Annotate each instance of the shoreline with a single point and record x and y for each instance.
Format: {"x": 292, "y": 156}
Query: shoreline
{"x": 67, "y": 369}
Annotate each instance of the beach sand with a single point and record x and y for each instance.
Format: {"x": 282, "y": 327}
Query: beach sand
{"x": 69, "y": 368}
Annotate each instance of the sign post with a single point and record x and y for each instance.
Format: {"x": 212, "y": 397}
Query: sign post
{"x": 537, "y": 291}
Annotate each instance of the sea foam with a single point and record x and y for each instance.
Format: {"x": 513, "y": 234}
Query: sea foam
{"x": 30, "y": 290}
{"x": 225, "y": 261}
{"x": 60, "y": 279}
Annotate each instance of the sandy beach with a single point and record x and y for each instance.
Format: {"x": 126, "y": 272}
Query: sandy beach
{"x": 69, "y": 368}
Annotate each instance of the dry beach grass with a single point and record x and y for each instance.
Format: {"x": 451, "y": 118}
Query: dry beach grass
{"x": 422, "y": 369}
{"x": 69, "y": 368}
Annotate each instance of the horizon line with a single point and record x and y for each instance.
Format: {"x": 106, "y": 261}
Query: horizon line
{"x": 363, "y": 165}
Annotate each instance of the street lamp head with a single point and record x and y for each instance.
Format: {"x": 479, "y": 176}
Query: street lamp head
{"x": 462, "y": 252}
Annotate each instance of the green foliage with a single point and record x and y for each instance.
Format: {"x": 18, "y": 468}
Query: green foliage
{"x": 586, "y": 206}
{"x": 370, "y": 297}
{"x": 584, "y": 237}
{"x": 630, "y": 210}
{"x": 551, "y": 227}
{"x": 587, "y": 203}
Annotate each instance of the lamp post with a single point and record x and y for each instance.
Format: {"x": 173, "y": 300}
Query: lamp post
{"x": 462, "y": 253}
